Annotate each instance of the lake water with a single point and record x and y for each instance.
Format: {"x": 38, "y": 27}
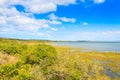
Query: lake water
{"x": 99, "y": 46}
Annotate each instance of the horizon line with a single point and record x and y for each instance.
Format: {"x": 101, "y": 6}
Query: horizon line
{"x": 60, "y": 40}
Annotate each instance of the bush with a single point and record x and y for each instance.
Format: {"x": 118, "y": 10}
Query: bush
{"x": 15, "y": 72}
{"x": 13, "y": 48}
{"x": 24, "y": 72}
{"x": 41, "y": 53}
{"x": 8, "y": 71}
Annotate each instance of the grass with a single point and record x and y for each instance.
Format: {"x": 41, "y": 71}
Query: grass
{"x": 38, "y": 60}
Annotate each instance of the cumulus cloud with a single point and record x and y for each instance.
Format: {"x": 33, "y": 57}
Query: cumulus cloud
{"x": 13, "y": 21}
{"x": 54, "y": 29}
{"x": 63, "y": 19}
{"x": 40, "y": 6}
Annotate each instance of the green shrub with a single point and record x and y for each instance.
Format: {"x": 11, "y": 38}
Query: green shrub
{"x": 24, "y": 72}
{"x": 13, "y": 48}
{"x": 41, "y": 53}
{"x": 16, "y": 71}
{"x": 8, "y": 71}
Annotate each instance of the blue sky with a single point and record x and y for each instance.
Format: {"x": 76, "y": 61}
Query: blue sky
{"x": 96, "y": 20}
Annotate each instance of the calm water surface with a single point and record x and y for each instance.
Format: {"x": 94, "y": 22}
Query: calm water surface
{"x": 99, "y": 46}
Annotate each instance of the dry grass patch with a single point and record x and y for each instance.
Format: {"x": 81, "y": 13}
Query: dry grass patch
{"x": 8, "y": 59}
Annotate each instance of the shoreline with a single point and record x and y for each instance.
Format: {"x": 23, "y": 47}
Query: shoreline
{"x": 91, "y": 46}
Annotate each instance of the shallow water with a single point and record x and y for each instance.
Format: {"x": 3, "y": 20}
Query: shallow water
{"x": 99, "y": 46}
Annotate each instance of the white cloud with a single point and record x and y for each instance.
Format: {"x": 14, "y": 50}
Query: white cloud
{"x": 94, "y": 1}
{"x": 40, "y": 6}
{"x": 2, "y": 2}
{"x": 63, "y": 19}
{"x": 54, "y": 22}
{"x": 24, "y": 23}
{"x": 53, "y": 17}
{"x": 54, "y": 29}
{"x": 85, "y": 24}
{"x": 99, "y": 1}
{"x": 2, "y": 20}
{"x": 14, "y": 22}
{"x": 63, "y": 2}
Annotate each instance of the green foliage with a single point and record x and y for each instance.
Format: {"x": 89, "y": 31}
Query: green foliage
{"x": 41, "y": 53}
{"x": 8, "y": 71}
{"x": 24, "y": 72}
{"x": 16, "y": 71}
{"x": 13, "y": 48}
{"x": 30, "y": 55}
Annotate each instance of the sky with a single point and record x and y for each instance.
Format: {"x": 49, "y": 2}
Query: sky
{"x": 94, "y": 20}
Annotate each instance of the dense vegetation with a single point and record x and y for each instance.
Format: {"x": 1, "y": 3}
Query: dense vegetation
{"x": 38, "y": 60}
